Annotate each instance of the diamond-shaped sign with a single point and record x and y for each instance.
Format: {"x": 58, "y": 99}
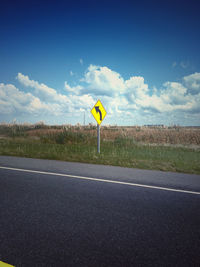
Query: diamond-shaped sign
{"x": 98, "y": 112}
{"x": 3, "y": 264}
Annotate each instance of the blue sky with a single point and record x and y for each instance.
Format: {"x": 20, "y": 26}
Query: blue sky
{"x": 140, "y": 58}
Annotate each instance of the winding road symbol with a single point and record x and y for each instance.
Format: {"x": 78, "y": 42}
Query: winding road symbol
{"x": 98, "y": 110}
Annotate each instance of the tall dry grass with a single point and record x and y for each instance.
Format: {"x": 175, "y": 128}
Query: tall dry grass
{"x": 120, "y": 146}
{"x": 147, "y": 135}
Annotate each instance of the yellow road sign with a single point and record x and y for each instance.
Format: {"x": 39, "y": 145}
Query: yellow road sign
{"x": 98, "y": 112}
{"x": 3, "y": 264}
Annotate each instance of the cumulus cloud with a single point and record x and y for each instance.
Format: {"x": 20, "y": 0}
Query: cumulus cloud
{"x": 129, "y": 98}
{"x": 13, "y": 100}
{"x": 172, "y": 97}
{"x": 103, "y": 81}
{"x": 134, "y": 94}
{"x": 43, "y": 91}
{"x": 135, "y": 88}
{"x": 73, "y": 90}
{"x": 192, "y": 82}
{"x": 67, "y": 103}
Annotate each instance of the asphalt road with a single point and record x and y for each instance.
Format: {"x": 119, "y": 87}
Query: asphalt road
{"x": 127, "y": 217}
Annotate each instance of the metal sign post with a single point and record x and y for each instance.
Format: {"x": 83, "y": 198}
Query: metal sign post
{"x": 99, "y": 113}
{"x": 98, "y": 138}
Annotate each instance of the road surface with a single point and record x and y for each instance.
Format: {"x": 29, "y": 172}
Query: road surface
{"x": 70, "y": 214}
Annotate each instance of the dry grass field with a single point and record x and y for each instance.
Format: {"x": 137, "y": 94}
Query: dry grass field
{"x": 162, "y": 148}
{"x": 143, "y": 134}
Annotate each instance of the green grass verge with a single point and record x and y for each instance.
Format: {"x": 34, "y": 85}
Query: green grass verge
{"x": 121, "y": 152}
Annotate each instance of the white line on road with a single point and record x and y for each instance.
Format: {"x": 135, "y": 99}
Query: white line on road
{"x": 103, "y": 180}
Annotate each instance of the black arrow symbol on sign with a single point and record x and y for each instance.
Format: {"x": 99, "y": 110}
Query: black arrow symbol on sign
{"x": 98, "y": 110}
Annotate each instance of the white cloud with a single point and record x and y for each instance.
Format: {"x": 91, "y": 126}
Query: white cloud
{"x": 15, "y": 101}
{"x": 45, "y": 93}
{"x": 134, "y": 94}
{"x": 174, "y": 93}
{"x": 62, "y": 103}
{"x": 173, "y": 97}
{"x": 73, "y": 90}
{"x": 81, "y": 61}
{"x": 103, "y": 81}
{"x": 82, "y": 101}
{"x": 192, "y": 82}
{"x": 124, "y": 99}
{"x": 136, "y": 88}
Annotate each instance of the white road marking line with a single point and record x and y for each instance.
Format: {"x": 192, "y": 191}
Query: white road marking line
{"x": 103, "y": 180}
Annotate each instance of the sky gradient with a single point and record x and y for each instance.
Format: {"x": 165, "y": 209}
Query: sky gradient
{"x": 140, "y": 58}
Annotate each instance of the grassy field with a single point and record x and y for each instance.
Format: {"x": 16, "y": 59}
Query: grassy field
{"x": 158, "y": 148}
